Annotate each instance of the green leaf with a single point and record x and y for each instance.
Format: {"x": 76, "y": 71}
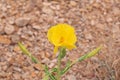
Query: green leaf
{"x": 34, "y": 59}
{"x": 93, "y": 52}
{"x": 54, "y": 70}
{"x": 66, "y": 68}
{"x": 62, "y": 52}
{"x": 68, "y": 63}
{"x": 49, "y": 74}
{"x": 24, "y": 50}
{"x": 82, "y": 58}
{"x": 46, "y": 77}
{"x": 90, "y": 54}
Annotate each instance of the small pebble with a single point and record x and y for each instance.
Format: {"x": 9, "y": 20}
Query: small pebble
{"x": 37, "y": 27}
{"x": 1, "y": 28}
{"x": 4, "y": 67}
{"x": 11, "y": 21}
{"x": 45, "y": 60}
{"x": 22, "y": 21}
{"x": 47, "y": 10}
{"x": 51, "y": 65}
{"x": 17, "y": 69}
{"x": 73, "y": 3}
{"x": 16, "y": 76}
{"x": 9, "y": 29}
{"x": 88, "y": 36}
{"x": 109, "y": 19}
{"x": 48, "y": 55}
{"x": 38, "y": 67}
{"x": 4, "y": 40}
{"x": 116, "y": 11}
{"x": 15, "y": 38}
{"x": 71, "y": 77}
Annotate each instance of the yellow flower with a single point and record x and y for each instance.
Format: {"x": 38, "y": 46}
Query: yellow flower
{"x": 62, "y": 35}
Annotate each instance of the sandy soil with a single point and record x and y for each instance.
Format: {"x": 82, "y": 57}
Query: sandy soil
{"x": 97, "y": 22}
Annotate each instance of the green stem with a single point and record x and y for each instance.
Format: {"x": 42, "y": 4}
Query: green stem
{"x": 67, "y": 68}
{"x": 59, "y": 69}
{"x": 59, "y": 65}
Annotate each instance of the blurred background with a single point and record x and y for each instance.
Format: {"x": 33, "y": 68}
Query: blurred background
{"x": 97, "y": 22}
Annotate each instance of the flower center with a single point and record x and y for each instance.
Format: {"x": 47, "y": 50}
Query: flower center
{"x": 61, "y": 40}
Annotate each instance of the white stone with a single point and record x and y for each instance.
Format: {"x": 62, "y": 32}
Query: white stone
{"x": 9, "y": 29}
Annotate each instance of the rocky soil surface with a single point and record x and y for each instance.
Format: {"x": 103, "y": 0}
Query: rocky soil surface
{"x": 97, "y": 22}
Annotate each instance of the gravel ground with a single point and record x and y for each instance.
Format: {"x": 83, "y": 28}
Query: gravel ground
{"x": 97, "y": 22}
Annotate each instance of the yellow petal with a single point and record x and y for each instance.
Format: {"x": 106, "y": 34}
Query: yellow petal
{"x": 55, "y": 49}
